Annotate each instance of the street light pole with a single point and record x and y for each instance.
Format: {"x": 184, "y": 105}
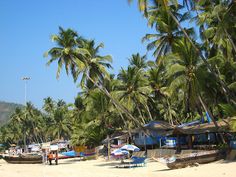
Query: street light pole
{"x": 25, "y": 79}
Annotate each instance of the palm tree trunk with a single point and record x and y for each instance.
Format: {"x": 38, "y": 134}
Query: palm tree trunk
{"x": 58, "y": 135}
{"x": 141, "y": 115}
{"x": 170, "y": 115}
{"x": 212, "y": 117}
{"x": 34, "y": 134}
{"x": 115, "y": 102}
{"x": 126, "y": 125}
{"x": 108, "y": 147}
{"x": 149, "y": 113}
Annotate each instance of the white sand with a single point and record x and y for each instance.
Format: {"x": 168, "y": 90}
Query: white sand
{"x": 100, "y": 168}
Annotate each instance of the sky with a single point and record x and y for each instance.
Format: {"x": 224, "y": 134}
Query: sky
{"x": 25, "y": 30}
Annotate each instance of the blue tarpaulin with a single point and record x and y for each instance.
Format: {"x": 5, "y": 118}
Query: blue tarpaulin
{"x": 70, "y": 153}
{"x": 208, "y": 117}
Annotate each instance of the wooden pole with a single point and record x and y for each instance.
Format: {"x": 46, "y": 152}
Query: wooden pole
{"x": 108, "y": 147}
{"x": 190, "y": 142}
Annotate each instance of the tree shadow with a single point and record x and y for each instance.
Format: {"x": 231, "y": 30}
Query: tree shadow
{"x": 67, "y": 161}
{"x": 166, "y": 169}
{"x": 111, "y": 164}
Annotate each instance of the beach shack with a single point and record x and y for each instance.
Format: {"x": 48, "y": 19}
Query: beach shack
{"x": 152, "y": 135}
{"x": 200, "y": 136}
{"x": 117, "y": 139}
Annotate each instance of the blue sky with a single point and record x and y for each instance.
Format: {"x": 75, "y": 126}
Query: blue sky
{"x": 25, "y": 29}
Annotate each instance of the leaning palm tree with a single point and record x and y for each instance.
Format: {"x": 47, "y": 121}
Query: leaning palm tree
{"x": 81, "y": 57}
{"x": 64, "y": 52}
{"x": 145, "y": 7}
{"x": 184, "y": 73}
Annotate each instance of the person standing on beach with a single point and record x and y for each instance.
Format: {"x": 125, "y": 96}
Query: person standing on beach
{"x": 50, "y": 158}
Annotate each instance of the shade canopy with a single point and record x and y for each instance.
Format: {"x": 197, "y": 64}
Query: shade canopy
{"x": 130, "y": 147}
{"x": 119, "y": 152}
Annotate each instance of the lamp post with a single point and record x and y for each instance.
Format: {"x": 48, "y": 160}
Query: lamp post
{"x": 25, "y": 79}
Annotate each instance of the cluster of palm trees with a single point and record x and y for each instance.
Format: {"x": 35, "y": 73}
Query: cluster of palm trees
{"x": 193, "y": 72}
{"x": 30, "y": 125}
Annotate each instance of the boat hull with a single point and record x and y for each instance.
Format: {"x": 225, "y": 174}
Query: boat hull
{"x": 195, "y": 158}
{"x": 23, "y": 159}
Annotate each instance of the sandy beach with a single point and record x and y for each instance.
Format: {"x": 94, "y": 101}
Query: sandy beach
{"x": 101, "y": 168}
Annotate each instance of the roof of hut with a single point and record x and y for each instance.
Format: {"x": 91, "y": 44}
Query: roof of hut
{"x": 160, "y": 127}
{"x": 202, "y": 128}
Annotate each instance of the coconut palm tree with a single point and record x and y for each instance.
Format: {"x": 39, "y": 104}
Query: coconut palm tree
{"x": 167, "y": 30}
{"x": 60, "y": 127}
{"x": 145, "y": 7}
{"x": 64, "y": 52}
{"x": 83, "y": 58}
{"x": 133, "y": 91}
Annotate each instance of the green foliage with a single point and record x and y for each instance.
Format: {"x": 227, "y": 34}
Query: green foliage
{"x": 228, "y": 110}
{"x": 233, "y": 123}
{"x": 192, "y": 72}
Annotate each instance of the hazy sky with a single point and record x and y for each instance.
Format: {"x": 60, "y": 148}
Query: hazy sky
{"x": 25, "y": 30}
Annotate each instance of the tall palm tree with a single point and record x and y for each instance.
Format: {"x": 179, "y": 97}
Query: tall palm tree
{"x": 83, "y": 58}
{"x": 95, "y": 65}
{"x": 65, "y": 51}
{"x": 159, "y": 98}
{"x": 184, "y": 72}
{"x": 145, "y": 6}
{"x": 167, "y": 30}
{"x": 133, "y": 90}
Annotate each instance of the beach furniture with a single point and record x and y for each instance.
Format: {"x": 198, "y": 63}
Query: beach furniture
{"x": 136, "y": 162}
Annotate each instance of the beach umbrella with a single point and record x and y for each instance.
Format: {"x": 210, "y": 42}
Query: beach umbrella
{"x": 130, "y": 147}
{"x": 119, "y": 152}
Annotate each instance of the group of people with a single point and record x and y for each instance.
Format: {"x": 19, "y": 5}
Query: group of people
{"x": 52, "y": 156}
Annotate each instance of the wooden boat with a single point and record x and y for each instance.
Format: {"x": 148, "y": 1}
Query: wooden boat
{"x": 191, "y": 159}
{"x": 24, "y": 159}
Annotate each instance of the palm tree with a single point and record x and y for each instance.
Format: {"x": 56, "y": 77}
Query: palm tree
{"x": 184, "y": 73}
{"x": 133, "y": 90}
{"x": 167, "y": 30}
{"x": 49, "y": 105}
{"x": 95, "y": 65}
{"x": 145, "y": 6}
{"x": 218, "y": 17}
{"x": 159, "y": 99}
{"x": 83, "y": 58}
{"x": 138, "y": 61}
{"x": 60, "y": 127}
{"x": 65, "y": 51}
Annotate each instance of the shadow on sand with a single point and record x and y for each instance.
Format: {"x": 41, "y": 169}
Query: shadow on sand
{"x": 110, "y": 164}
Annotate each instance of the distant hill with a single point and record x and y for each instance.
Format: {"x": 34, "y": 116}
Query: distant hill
{"x": 6, "y": 109}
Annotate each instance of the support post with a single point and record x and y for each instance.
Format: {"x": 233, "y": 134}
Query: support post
{"x": 108, "y": 147}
